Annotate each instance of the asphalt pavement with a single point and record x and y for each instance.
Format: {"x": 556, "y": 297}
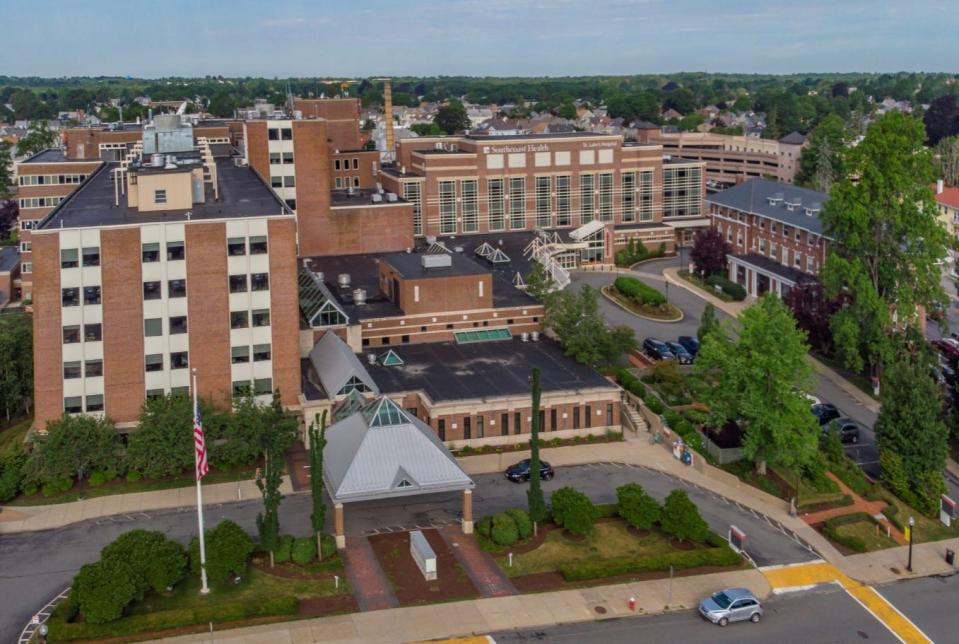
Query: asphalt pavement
{"x": 930, "y": 603}
{"x": 826, "y": 615}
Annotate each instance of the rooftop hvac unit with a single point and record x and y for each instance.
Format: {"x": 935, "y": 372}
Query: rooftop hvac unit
{"x": 157, "y": 160}
{"x": 371, "y": 358}
{"x": 377, "y": 198}
{"x": 457, "y": 249}
{"x": 391, "y": 197}
{"x": 431, "y": 239}
{"x": 534, "y": 336}
{"x": 439, "y": 260}
{"x": 524, "y": 336}
{"x": 359, "y": 296}
{"x": 343, "y": 280}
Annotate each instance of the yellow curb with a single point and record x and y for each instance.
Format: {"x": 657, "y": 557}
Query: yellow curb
{"x": 812, "y": 574}
{"x": 478, "y": 639}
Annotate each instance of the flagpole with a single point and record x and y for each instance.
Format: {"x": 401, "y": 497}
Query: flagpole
{"x": 204, "y": 588}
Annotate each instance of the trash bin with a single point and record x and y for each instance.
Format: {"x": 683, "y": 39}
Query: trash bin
{"x": 950, "y": 557}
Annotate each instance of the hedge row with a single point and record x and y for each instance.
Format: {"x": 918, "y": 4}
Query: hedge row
{"x": 719, "y": 555}
{"x": 636, "y": 252}
{"x": 682, "y": 426}
{"x": 730, "y": 288}
{"x": 830, "y": 529}
{"x": 61, "y": 630}
{"x": 636, "y": 290}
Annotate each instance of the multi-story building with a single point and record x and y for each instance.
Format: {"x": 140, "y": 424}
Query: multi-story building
{"x": 731, "y": 159}
{"x": 158, "y": 264}
{"x": 342, "y": 116}
{"x": 111, "y": 142}
{"x": 775, "y": 233}
{"x": 479, "y": 184}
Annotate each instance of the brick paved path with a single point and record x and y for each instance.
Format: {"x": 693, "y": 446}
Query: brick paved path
{"x": 370, "y": 585}
{"x": 479, "y": 565}
{"x": 297, "y": 465}
{"x": 859, "y": 504}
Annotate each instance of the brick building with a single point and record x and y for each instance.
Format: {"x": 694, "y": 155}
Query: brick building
{"x": 775, "y": 232}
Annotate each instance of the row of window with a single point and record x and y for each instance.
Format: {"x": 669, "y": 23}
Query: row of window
{"x": 477, "y": 423}
{"x": 153, "y": 327}
{"x": 87, "y": 369}
{"x": 71, "y": 296}
{"x": 344, "y": 182}
{"x": 71, "y": 257}
{"x": 279, "y": 134}
{"x": 346, "y": 164}
{"x": 74, "y": 404}
{"x": 90, "y": 333}
{"x": 175, "y": 251}
{"x": 154, "y": 290}
{"x": 51, "y": 179}
{"x": 94, "y": 402}
{"x": 39, "y": 202}
{"x": 242, "y": 319}
{"x": 259, "y": 386}
{"x": 277, "y": 158}
{"x": 255, "y": 245}
{"x": 288, "y": 181}
{"x": 154, "y": 361}
{"x": 241, "y": 354}
{"x": 253, "y": 282}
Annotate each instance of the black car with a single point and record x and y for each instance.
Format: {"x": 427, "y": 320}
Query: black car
{"x": 848, "y": 429}
{"x": 520, "y": 472}
{"x": 825, "y": 413}
{"x": 678, "y": 350}
{"x": 689, "y": 343}
{"x": 657, "y": 349}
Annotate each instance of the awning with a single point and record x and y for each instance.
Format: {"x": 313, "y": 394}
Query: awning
{"x": 698, "y": 222}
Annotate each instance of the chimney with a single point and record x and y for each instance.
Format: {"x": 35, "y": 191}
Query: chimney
{"x": 388, "y": 116}
{"x": 940, "y": 186}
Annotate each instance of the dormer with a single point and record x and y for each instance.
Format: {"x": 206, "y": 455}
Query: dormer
{"x": 793, "y": 203}
{"x": 813, "y": 209}
{"x": 776, "y": 199}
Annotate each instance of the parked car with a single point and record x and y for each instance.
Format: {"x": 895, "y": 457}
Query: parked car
{"x": 813, "y": 400}
{"x": 848, "y": 429}
{"x": 731, "y": 605}
{"x": 689, "y": 343}
{"x": 678, "y": 350}
{"x": 519, "y": 472}
{"x": 948, "y": 347}
{"x": 657, "y": 349}
{"x": 825, "y": 412}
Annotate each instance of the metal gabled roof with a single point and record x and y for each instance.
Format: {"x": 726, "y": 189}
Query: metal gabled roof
{"x": 315, "y": 298}
{"x": 335, "y": 364}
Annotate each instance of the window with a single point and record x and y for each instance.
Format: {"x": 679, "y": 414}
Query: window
{"x": 517, "y": 422}
{"x": 289, "y": 181}
{"x": 275, "y": 158}
{"x": 468, "y": 190}
{"x": 150, "y": 252}
{"x": 276, "y": 181}
{"x": 286, "y": 134}
{"x": 239, "y": 319}
{"x": 71, "y": 334}
{"x": 338, "y": 183}
{"x": 93, "y": 332}
{"x": 69, "y": 258}
{"x": 93, "y": 368}
{"x": 287, "y": 157}
{"x": 517, "y": 202}
{"x": 91, "y": 294}
{"x": 179, "y": 360}
{"x": 262, "y": 386}
{"x": 543, "y": 213}
{"x": 336, "y": 164}
{"x": 494, "y": 193}
{"x": 797, "y": 259}
{"x": 411, "y": 192}
{"x": 586, "y": 207}
{"x": 70, "y": 297}
{"x": 177, "y": 324}
{"x": 260, "y": 282}
{"x": 238, "y": 284}
{"x": 356, "y": 163}
{"x": 629, "y": 196}
{"x": 152, "y": 291}
{"x": 261, "y": 352}
{"x": 159, "y": 196}
{"x": 290, "y": 203}
{"x": 480, "y": 431}
{"x": 73, "y": 404}
{"x": 153, "y": 394}
{"x": 609, "y": 414}
{"x": 467, "y": 427}
{"x": 258, "y": 245}
{"x": 589, "y": 416}
{"x": 576, "y": 417}
{"x": 95, "y": 402}
{"x": 152, "y": 327}
{"x": 26, "y": 267}
{"x": 441, "y": 428}
{"x": 261, "y": 317}
{"x": 153, "y": 362}
{"x": 91, "y": 256}
{"x": 563, "y": 202}
{"x": 273, "y": 134}
{"x": 240, "y": 387}
{"x": 504, "y": 424}
{"x": 606, "y": 196}
{"x": 240, "y": 355}
{"x": 553, "y": 424}
{"x": 447, "y": 192}
{"x": 71, "y": 370}
{"x": 236, "y": 246}
{"x": 176, "y": 288}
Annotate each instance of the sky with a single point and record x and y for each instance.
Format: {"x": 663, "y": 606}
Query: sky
{"x": 350, "y": 38}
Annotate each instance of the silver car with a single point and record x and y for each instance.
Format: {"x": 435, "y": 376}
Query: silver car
{"x": 731, "y": 605}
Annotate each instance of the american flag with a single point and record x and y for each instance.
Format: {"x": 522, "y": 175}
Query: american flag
{"x": 202, "y": 467}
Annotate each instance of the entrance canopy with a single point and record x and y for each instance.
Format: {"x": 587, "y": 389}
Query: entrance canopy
{"x": 382, "y": 452}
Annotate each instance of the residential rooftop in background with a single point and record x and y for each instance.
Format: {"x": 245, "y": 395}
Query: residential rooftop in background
{"x": 50, "y": 155}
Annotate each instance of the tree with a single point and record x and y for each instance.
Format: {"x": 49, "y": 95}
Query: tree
{"x": 72, "y": 448}
{"x": 947, "y": 152}
{"x": 680, "y": 517}
{"x": 368, "y": 125}
{"x": 708, "y": 323}
{"x": 635, "y": 506}
{"x": 573, "y": 510}
{"x": 228, "y": 549}
{"x": 887, "y": 241}
{"x": 155, "y": 561}
{"x": 9, "y": 213}
{"x": 811, "y": 309}
{"x": 426, "y": 129}
{"x": 567, "y": 111}
{"x": 539, "y": 283}
{"x": 534, "y": 495}
{"x": 277, "y": 430}
{"x": 709, "y": 252}
{"x": 759, "y": 380}
{"x": 317, "y": 445}
{"x": 910, "y": 422}
{"x": 103, "y": 589}
{"x": 39, "y": 137}
{"x": 161, "y": 445}
{"x": 821, "y": 162}
{"x": 941, "y": 119}
{"x": 452, "y": 118}
{"x": 222, "y": 105}
{"x": 6, "y": 170}
{"x": 16, "y": 364}
{"x": 690, "y": 122}
{"x": 575, "y": 318}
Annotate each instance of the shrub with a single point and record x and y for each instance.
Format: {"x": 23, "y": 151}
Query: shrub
{"x": 103, "y": 589}
{"x": 830, "y": 529}
{"x": 524, "y": 526}
{"x": 655, "y": 404}
{"x": 327, "y": 546}
{"x": 732, "y": 289}
{"x": 56, "y": 487}
{"x": 100, "y": 477}
{"x": 573, "y": 510}
{"x": 72, "y": 448}
{"x": 284, "y": 550}
{"x": 155, "y": 561}
{"x": 304, "y": 550}
{"x": 671, "y": 417}
{"x": 642, "y": 293}
{"x": 228, "y": 549}
{"x": 504, "y": 531}
{"x": 720, "y": 555}
{"x": 133, "y": 476}
{"x": 689, "y": 435}
{"x": 695, "y": 416}
{"x": 11, "y": 473}
{"x": 635, "y": 506}
{"x": 484, "y": 525}
{"x": 680, "y": 518}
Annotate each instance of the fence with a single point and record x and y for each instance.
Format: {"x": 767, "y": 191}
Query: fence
{"x": 722, "y": 455}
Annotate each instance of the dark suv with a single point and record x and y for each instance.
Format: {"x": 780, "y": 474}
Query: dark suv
{"x": 520, "y": 472}
{"x": 657, "y": 349}
{"x": 825, "y": 413}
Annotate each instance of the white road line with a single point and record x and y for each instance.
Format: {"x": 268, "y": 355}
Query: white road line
{"x": 869, "y": 610}
{"x": 791, "y": 565}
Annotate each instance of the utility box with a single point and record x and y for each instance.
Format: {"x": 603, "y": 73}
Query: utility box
{"x": 950, "y": 557}
{"x": 423, "y": 555}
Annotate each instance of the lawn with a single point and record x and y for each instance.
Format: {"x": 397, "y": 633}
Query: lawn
{"x": 866, "y": 531}
{"x": 782, "y": 484}
{"x": 609, "y": 539}
{"x": 927, "y": 529}
{"x": 699, "y": 283}
{"x": 13, "y": 433}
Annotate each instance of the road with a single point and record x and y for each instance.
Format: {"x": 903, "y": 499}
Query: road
{"x": 825, "y": 615}
{"x": 930, "y": 603}
{"x": 35, "y": 566}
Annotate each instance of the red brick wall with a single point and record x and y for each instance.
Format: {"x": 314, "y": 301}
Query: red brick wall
{"x": 358, "y": 229}
{"x": 342, "y": 116}
{"x": 47, "y": 330}
{"x": 438, "y": 294}
{"x": 365, "y": 162}
{"x": 284, "y": 309}
{"x": 257, "y": 153}
{"x": 312, "y": 157}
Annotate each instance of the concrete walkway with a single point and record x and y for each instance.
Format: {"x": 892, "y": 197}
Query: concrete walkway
{"x": 56, "y": 515}
{"x": 479, "y": 565}
{"x": 487, "y": 615}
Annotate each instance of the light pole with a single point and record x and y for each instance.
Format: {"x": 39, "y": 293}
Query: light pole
{"x": 912, "y": 528}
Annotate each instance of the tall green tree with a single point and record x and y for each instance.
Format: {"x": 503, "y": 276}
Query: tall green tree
{"x": 275, "y": 431}
{"x": 821, "y": 160}
{"x": 947, "y": 153}
{"x": 759, "y": 379}
{"x": 6, "y": 170}
{"x": 534, "y": 495}
{"x": 73, "y": 448}
{"x": 575, "y": 318}
{"x": 452, "y": 117}
{"x": 16, "y": 364}
{"x": 39, "y": 137}
{"x": 163, "y": 442}
{"x": 888, "y": 241}
{"x": 317, "y": 445}
{"x": 708, "y": 323}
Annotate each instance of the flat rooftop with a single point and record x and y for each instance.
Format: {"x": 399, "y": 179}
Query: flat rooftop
{"x": 447, "y": 371}
{"x": 241, "y": 194}
{"x": 361, "y": 197}
{"x": 50, "y": 155}
{"x": 410, "y": 266}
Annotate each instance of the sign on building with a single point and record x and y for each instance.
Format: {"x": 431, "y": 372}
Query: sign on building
{"x": 423, "y": 555}
{"x": 737, "y": 539}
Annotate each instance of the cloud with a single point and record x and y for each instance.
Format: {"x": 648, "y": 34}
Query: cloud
{"x": 294, "y": 22}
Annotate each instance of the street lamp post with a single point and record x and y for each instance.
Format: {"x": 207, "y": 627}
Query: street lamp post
{"x": 912, "y": 528}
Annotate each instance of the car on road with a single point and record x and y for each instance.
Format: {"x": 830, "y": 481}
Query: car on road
{"x": 848, "y": 429}
{"x": 731, "y": 605}
{"x": 657, "y": 349}
{"x": 949, "y": 347}
{"x": 825, "y": 413}
{"x": 519, "y": 472}
{"x": 678, "y": 350}
{"x": 689, "y": 343}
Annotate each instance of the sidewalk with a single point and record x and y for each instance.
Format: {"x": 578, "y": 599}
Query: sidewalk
{"x": 480, "y": 616}
{"x": 45, "y": 517}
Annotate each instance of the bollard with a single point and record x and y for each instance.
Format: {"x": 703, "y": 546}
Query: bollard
{"x": 511, "y": 560}
{"x": 336, "y": 581}
{"x": 950, "y": 557}
{"x": 632, "y": 604}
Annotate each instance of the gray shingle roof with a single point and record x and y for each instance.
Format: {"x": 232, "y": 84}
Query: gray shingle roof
{"x": 771, "y": 198}
{"x": 793, "y": 138}
{"x": 335, "y": 363}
